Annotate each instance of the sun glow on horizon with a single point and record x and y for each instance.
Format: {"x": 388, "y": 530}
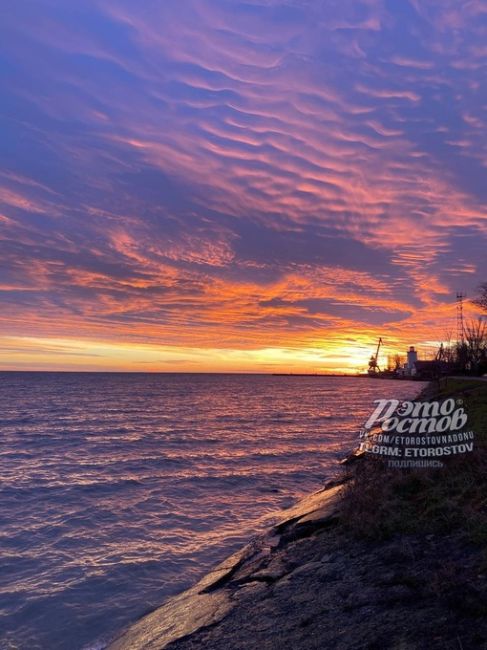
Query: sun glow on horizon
{"x": 66, "y": 354}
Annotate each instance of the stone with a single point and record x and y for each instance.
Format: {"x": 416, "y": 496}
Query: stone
{"x": 252, "y": 589}
{"x": 306, "y": 569}
{"x": 272, "y": 572}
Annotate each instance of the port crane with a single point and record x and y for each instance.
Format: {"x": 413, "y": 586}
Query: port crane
{"x": 373, "y": 363}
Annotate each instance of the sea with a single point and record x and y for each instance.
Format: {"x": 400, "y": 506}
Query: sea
{"x": 118, "y": 490}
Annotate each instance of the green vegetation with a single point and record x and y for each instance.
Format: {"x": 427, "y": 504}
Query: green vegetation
{"x": 381, "y": 502}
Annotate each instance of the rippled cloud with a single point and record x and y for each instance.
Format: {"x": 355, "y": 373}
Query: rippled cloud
{"x": 214, "y": 174}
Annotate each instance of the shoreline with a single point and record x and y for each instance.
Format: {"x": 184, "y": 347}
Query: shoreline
{"x": 216, "y": 594}
{"x": 310, "y": 583}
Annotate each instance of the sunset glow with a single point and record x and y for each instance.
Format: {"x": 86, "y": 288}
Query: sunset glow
{"x": 267, "y": 186}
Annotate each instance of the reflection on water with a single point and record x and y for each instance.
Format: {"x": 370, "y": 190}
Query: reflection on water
{"x": 118, "y": 490}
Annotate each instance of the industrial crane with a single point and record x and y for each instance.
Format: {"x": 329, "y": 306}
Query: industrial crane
{"x": 373, "y": 363}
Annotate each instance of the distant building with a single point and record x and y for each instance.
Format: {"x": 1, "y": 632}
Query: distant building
{"x": 434, "y": 369}
{"x": 413, "y": 368}
{"x": 412, "y": 359}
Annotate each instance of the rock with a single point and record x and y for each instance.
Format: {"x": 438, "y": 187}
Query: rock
{"x": 385, "y": 578}
{"x": 302, "y": 597}
{"x": 306, "y": 569}
{"x": 328, "y": 571}
{"x": 283, "y": 585}
{"x": 180, "y": 616}
{"x": 252, "y": 589}
{"x": 363, "y": 597}
{"x": 275, "y": 570}
{"x": 272, "y": 541}
{"x": 398, "y": 593}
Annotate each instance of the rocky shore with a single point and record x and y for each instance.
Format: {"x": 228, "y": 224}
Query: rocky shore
{"x": 316, "y": 581}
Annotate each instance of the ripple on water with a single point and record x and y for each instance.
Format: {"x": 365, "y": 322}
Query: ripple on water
{"x": 119, "y": 490}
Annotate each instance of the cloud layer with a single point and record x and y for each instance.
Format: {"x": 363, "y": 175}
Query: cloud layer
{"x": 213, "y": 175}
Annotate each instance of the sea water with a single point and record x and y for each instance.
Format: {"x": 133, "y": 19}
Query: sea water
{"x": 118, "y": 490}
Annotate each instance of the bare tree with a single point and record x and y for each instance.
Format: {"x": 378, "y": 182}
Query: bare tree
{"x": 481, "y": 300}
{"x": 448, "y": 353}
{"x": 475, "y": 345}
{"x": 398, "y": 361}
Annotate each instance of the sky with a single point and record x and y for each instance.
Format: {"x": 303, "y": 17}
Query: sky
{"x": 217, "y": 185}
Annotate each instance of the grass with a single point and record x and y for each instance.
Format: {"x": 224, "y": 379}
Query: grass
{"x": 380, "y": 502}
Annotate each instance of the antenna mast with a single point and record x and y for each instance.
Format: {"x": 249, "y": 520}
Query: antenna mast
{"x": 460, "y": 323}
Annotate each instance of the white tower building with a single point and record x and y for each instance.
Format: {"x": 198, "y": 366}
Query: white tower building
{"x": 412, "y": 358}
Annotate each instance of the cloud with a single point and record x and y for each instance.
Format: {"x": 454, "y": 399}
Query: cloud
{"x": 211, "y": 172}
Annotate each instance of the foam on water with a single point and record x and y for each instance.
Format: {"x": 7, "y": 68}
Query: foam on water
{"x": 118, "y": 490}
